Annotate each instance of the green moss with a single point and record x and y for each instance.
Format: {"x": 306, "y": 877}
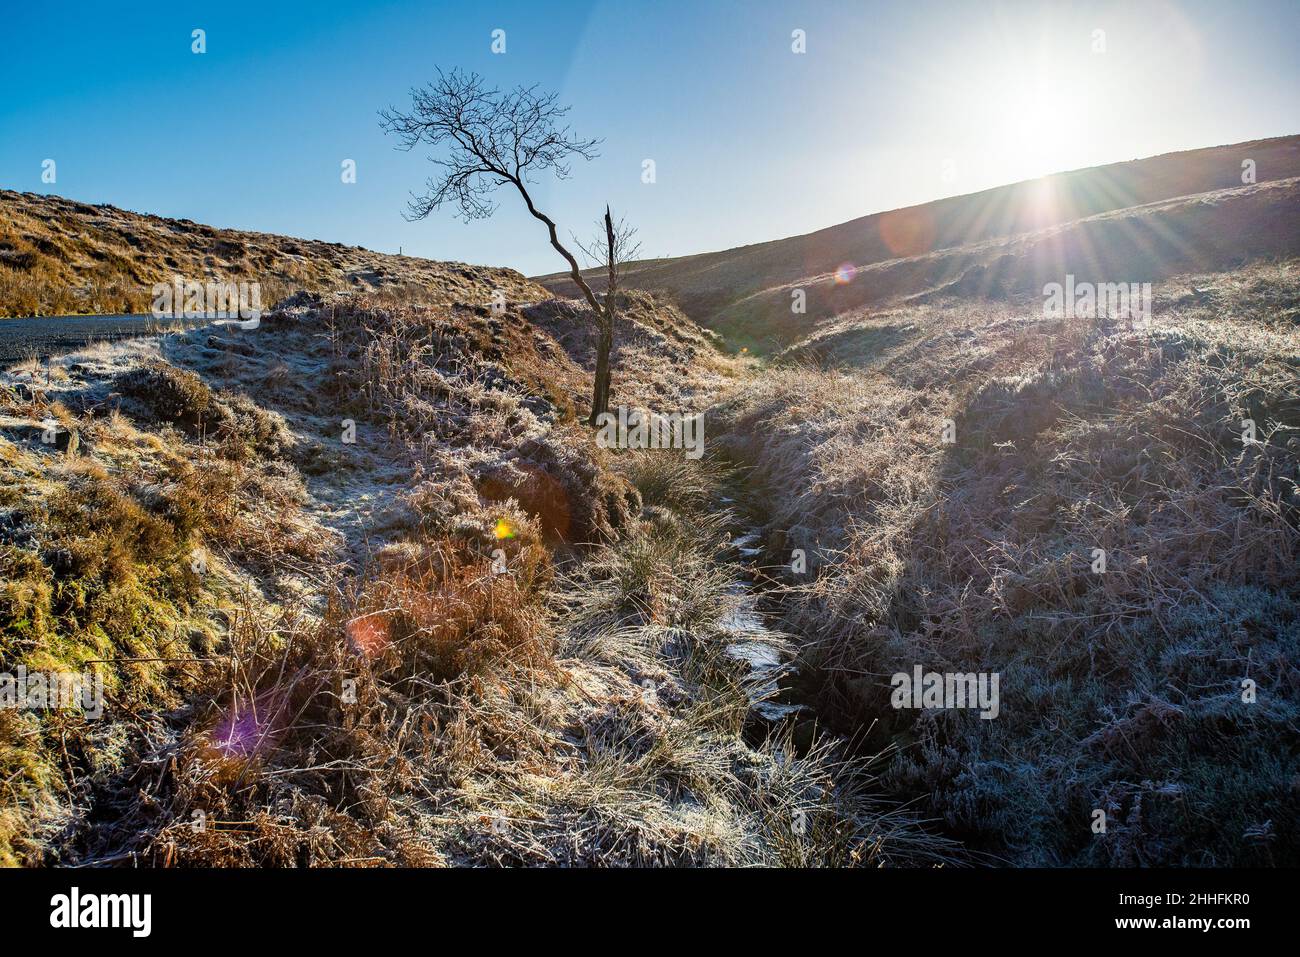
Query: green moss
{"x": 26, "y": 590}
{"x": 111, "y": 584}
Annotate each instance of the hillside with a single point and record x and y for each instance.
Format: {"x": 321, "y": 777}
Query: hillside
{"x": 62, "y": 257}
{"x": 935, "y": 466}
{"x": 1121, "y": 684}
{"x": 1093, "y": 219}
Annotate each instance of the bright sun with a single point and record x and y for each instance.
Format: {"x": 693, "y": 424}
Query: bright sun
{"x": 1033, "y": 129}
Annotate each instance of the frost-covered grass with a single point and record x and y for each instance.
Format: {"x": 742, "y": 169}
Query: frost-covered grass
{"x": 458, "y": 639}
{"x": 1121, "y": 691}
{"x": 471, "y": 636}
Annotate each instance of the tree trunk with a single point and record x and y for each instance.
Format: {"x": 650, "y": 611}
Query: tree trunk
{"x": 605, "y": 317}
{"x": 574, "y": 270}
{"x": 600, "y": 388}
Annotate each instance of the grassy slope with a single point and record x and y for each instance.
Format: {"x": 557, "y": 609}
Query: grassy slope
{"x": 1120, "y": 691}
{"x": 745, "y": 292}
{"x": 62, "y": 257}
{"x": 1203, "y": 233}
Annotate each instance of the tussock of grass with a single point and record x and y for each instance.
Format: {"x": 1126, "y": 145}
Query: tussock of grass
{"x": 234, "y": 423}
{"x": 673, "y": 482}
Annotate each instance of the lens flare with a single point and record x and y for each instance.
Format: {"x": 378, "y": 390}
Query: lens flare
{"x": 246, "y": 728}
{"x": 503, "y": 529}
{"x": 368, "y": 635}
{"x": 907, "y": 232}
{"x": 844, "y": 274}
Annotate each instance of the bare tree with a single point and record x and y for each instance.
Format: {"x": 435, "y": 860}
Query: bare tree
{"x": 613, "y": 245}
{"x": 492, "y": 139}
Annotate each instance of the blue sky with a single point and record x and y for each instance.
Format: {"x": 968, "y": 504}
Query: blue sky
{"x": 892, "y": 104}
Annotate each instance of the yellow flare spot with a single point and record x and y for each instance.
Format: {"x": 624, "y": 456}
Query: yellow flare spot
{"x": 503, "y": 529}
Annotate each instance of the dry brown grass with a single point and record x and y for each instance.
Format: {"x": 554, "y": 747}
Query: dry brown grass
{"x": 60, "y": 257}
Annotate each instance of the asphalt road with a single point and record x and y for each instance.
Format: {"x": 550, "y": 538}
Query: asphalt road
{"x": 53, "y": 335}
